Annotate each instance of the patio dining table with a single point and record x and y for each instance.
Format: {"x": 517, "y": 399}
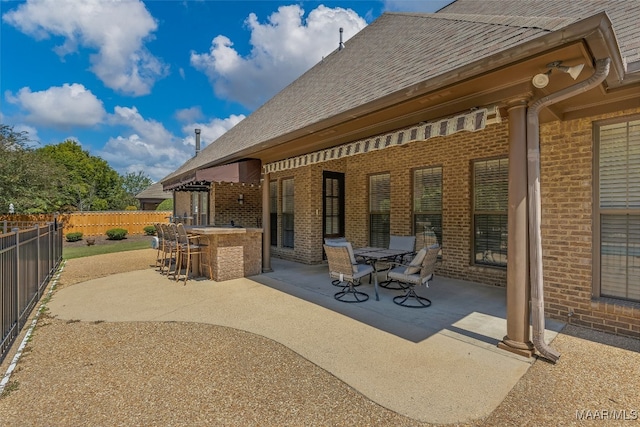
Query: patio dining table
{"x": 372, "y": 254}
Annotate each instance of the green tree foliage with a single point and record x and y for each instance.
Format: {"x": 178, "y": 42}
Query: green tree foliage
{"x": 133, "y": 183}
{"x": 165, "y": 205}
{"x": 27, "y": 179}
{"x": 94, "y": 185}
{"x": 61, "y": 177}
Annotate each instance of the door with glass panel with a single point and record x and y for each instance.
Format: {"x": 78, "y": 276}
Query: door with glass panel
{"x": 333, "y": 204}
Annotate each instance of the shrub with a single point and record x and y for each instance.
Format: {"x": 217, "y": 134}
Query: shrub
{"x": 116, "y": 233}
{"x": 150, "y": 230}
{"x": 74, "y": 237}
{"x": 131, "y": 208}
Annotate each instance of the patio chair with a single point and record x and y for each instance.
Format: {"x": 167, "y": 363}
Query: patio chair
{"x": 338, "y": 241}
{"x": 186, "y": 250}
{"x": 169, "y": 247}
{"x": 419, "y": 272}
{"x": 344, "y": 270}
{"x": 403, "y": 243}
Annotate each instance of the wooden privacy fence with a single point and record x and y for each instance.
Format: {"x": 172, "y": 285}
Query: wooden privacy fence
{"x": 97, "y": 223}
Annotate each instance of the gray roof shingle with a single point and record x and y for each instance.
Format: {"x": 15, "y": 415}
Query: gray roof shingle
{"x": 399, "y": 50}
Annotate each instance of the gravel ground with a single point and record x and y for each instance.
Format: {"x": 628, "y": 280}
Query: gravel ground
{"x": 181, "y": 374}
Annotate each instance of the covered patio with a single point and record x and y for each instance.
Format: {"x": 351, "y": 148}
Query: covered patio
{"x": 437, "y": 365}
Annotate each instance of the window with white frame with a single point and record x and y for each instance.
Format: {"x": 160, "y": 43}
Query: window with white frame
{"x": 427, "y": 206}
{"x": 618, "y": 210}
{"x": 379, "y": 210}
{"x": 490, "y": 211}
{"x": 287, "y": 213}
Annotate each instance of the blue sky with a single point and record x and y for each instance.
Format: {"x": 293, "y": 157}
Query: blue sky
{"x": 131, "y": 80}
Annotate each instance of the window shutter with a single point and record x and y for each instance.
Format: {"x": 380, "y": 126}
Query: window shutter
{"x": 620, "y": 166}
{"x": 379, "y": 208}
{"x": 427, "y": 190}
{"x": 491, "y": 181}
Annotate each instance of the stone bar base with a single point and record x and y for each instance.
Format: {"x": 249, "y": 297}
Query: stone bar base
{"x": 232, "y": 252}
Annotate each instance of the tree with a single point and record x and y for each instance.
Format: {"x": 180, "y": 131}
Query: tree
{"x": 133, "y": 183}
{"x": 94, "y": 185}
{"x": 28, "y": 180}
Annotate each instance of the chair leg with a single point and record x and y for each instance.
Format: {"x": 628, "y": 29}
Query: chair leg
{"x": 410, "y": 295}
{"x": 349, "y": 290}
{"x": 389, "y": 284}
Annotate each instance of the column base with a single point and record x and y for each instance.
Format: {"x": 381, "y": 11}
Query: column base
{"x": 267, "y": 269}
{"x": 525, "y": 349}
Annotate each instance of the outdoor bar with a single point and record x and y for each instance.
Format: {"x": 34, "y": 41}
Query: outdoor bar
{"x": 232, "y": 252}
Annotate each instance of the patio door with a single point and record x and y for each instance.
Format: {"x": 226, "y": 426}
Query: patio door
{"x": 333, "y": 204}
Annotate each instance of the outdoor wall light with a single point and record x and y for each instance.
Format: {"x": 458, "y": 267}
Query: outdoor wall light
{"x": 240, "y": 199}
{"x": 542, "y": 80}
{"x": 574, "y": 71}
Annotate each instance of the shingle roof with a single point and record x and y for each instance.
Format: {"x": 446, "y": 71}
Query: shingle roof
{"x": 154, "y": 191}
{"x": 393, "y": 53}
{"x": 624, "y": 14}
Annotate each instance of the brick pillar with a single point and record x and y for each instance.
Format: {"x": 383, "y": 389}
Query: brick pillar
{"x": 518, "y": 338}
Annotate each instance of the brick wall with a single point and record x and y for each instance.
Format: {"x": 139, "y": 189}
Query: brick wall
{"x": 399, "y": 162}
{"x": 567, "y": 218}
{"x": 566, "y": 191}
{"x": 225, "y": 206}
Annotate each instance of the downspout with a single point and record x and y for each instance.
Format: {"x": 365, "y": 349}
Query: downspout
{"x": 533, "y": 178}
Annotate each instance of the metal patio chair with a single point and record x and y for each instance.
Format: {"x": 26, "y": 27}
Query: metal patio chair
{"x": 417, "y": 273}
{"x": 186, "y": 250}
{"x": 404, "y": 243}
{"x": 345, "y": 271}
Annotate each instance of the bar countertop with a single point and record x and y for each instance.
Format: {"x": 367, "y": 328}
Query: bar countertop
{"x": 206, "y": 230}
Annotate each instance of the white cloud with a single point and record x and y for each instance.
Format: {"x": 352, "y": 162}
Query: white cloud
{"x": 117, "y": 30}
{"x": 152, "y": 148}
{"x": 282, "y": 49}
{"x": 60, "y": 106}
{"x": 189, "y": 114}
{"x": 211, "y": 130}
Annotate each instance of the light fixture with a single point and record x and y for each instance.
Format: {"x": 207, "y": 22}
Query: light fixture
{"x": 541, "y": 80}
{"x": 574, "y": 71}
{"x": 240, "y": 199}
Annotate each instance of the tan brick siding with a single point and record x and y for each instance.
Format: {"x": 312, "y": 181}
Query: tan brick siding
{"x": 566, "y": 191}
{"x": 566, "y": 150}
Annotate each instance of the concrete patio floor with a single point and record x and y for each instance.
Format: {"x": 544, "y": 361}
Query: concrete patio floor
{"x": 439, "y": 364}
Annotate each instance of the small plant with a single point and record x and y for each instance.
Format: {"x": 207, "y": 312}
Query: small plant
{"x": 150, "y": 230}
{"x": 74, "y": 237}
{"x": 116, "y": 233}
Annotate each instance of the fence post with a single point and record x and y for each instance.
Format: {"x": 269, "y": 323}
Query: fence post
{"x": 38, "y": 260}
{"x": 17, "y": 298}
{"x": 4, "y": 227}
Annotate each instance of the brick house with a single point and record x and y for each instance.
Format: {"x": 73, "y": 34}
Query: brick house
{"x": 501, "y": 130}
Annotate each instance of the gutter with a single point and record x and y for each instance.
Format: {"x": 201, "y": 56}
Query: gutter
{"x": 533, "y": 178}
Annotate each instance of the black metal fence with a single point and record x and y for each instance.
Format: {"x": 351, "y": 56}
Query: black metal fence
{"x": 29, "y": 256}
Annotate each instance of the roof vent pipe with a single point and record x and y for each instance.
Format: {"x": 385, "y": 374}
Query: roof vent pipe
{"x": 197, "y": 141}
{"x": 533, "y": 178}
{"x": 341, "y": 45}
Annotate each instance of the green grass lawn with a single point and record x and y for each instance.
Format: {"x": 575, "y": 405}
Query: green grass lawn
{"x": 117, "y": 246}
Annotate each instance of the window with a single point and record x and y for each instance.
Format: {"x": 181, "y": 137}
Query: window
{"x": 618, "y": 207}
{"x": 490, "y": 203}
{"x": 199, "y": 205}
{"x": 273, "y": 211}
{"x": 379, "y": 209}
{"x": 427, "y": 206}
{"x": 287, "y": 213}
